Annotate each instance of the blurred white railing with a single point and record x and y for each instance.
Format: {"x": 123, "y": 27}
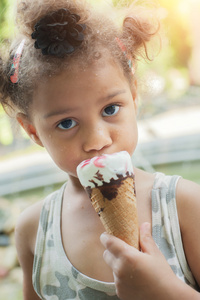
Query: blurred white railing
{"x": 38, "y": 170}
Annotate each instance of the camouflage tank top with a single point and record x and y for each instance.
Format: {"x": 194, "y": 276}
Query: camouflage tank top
{"x": 55, "y": 278}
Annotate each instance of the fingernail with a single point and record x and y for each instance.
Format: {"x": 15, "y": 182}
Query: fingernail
{"x": 103, "y": 238}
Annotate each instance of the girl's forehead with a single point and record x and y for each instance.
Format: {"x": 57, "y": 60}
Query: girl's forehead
{"x": 79, "y": 75}
{"x": 96, "y": 81}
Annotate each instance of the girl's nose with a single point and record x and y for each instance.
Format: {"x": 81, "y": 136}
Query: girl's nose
{"x": 96, "y": 139}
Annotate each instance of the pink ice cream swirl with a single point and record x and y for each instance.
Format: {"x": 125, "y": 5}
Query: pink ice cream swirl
{"x": 104, "y": 169}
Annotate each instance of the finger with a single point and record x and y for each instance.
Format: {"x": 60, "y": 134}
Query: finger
{"x": 109, "y": 258}
{"x": 115, "y": 245}
{"x": 147, "y": 243}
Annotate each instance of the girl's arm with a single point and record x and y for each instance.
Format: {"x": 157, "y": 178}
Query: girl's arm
{"x": 188, "y": 205}
{"x": 25, "y": 234}
{"x": 143, "y": 275}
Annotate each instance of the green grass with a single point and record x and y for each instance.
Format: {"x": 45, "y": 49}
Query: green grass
{"x": 188, "y": 170}
{"x": 10, "y": 290}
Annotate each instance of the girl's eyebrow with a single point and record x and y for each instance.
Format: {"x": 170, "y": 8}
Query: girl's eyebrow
{"x": 57, "y": 112}
{"x": 112, "y": 95}
{"x": 69, "y": 110}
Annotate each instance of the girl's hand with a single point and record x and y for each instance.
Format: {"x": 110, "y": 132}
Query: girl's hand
{"x": 140, "y": 275}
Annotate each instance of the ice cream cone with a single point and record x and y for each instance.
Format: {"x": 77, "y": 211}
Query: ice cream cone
{"x": 113, "y": 196}
{"x": 118, "y": 215}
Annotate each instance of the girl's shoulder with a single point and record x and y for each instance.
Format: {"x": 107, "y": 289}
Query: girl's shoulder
{"x": 188, "y": 202}
{"x": 27, "y": 225}
{"x": 28, "y": 222}
{"x": 25, "y": 237}
{"x": 188, "y": 206}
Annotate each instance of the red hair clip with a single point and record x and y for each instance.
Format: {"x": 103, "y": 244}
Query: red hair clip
{"x": 14, "y": 77}
{"x": 125, "y": 52}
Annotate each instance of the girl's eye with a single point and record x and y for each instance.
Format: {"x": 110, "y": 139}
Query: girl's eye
{"x": 67, "y": 124}
{"x": 111, "y": 110}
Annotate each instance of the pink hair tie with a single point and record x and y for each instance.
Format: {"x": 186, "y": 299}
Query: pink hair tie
{"x": 14, "y": 77}
{"x": 128, "y": 56}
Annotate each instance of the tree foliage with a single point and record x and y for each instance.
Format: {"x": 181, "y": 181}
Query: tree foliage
{"x": 178, "y": 30}
{"x": 3, "y": 10}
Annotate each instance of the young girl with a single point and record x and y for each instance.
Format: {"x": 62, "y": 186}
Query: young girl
{"x": 70, "y": 78}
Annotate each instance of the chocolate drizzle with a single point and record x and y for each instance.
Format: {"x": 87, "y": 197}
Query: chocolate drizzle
{"x": 100, "y": 211}
{"x": 108, "y": 189}
{"x": 99, "y": 176}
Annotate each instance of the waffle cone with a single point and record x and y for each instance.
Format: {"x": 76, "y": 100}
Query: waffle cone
{"x": 118, "y": 215}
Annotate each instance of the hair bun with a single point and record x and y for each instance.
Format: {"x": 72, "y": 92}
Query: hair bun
{"x": 140, "y": 27}
{"x": 58, "y": 33}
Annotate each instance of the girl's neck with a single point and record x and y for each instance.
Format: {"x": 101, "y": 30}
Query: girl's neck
{"x": 74, "y": 185}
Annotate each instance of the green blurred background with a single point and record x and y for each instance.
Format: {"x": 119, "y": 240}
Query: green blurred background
{"x": 169, "y": 127}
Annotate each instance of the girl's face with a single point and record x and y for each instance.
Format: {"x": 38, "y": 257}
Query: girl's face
{"x": 81, "y": 114}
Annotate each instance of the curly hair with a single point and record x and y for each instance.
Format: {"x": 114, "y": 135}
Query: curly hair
{"x": 134, "y": 25}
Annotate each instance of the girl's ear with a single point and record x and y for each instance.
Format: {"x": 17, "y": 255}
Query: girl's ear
{"x": 29, "y": 128}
